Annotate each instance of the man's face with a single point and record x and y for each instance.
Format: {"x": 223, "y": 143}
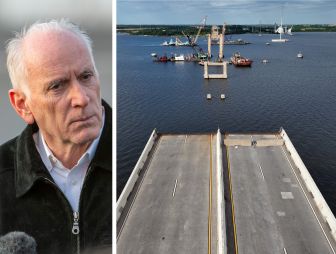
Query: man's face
{"x": 64, "y": 88}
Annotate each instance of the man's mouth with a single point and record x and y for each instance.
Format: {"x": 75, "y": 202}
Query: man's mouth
{"x": 82, "y": 119}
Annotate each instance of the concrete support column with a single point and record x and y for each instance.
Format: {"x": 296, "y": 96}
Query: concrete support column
{"x": 206, "y": 75}
{"x": 209, "y": 46}
{"x": 221, "y": 42}
{"x": 225, "y": 69}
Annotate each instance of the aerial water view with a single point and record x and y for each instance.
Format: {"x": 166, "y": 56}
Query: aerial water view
{"x": 225, "y": 127}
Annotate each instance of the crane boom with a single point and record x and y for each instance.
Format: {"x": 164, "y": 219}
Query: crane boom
{"x": 199, "y": 30}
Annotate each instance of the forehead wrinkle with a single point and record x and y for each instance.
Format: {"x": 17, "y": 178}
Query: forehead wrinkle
{"x": 45, "y": 51}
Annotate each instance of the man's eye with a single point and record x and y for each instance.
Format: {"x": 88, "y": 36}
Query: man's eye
{"x": 86, "y": 76}
{"x": 55, "y": 85}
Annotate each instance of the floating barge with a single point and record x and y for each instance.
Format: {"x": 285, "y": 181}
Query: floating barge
{"x": 233, "y": 42}
{"x": 223, "y": 193}
{"x": 180, "y": 58}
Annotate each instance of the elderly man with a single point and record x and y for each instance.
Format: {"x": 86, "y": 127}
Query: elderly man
{"x": 56, "y": 176}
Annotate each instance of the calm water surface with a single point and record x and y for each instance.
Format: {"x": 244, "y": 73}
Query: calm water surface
{"x": 297, "y": 94}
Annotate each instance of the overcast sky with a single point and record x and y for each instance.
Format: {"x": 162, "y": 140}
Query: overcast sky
{"x": 229, "y": 11}
{"x": 18, "y": 12}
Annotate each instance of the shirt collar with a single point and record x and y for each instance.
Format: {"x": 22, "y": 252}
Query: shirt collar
{"x": 30, "y": 168}
{"x": 48, "y": 158}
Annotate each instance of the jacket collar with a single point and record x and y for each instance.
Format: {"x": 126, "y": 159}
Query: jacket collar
{"x": 103, "y": 156}
{"x": 29, "y": 166}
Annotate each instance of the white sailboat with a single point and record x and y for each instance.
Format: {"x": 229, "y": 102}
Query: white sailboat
{"x": 280, "y": 30}
{"x": 289, "y": 31}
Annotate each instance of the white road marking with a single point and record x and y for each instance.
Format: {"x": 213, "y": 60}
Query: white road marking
{"x": 174, "y": 188}
{"x": 286, "y": 180}
{"x": 308, "y": 201}
{"x": 281, "y": 213}
{"x": 261, "y": 171}
{"x": 285, "y": 251}
{"x": 287, "y": 195}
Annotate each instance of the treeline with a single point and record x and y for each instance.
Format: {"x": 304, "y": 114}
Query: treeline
{"x": 314, "y": 28}
{"x": 178, "y": 30}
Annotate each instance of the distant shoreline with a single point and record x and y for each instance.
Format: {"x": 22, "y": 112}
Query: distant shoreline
{"x": 178, "y": 30}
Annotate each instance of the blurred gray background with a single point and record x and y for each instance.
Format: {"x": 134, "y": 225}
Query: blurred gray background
{"x": 94, "y": 16}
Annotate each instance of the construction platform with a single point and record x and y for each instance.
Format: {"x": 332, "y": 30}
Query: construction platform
{"x": 222, "y": 193}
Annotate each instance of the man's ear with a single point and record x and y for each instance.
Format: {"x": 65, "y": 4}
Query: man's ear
{"x": 19, "y": 102}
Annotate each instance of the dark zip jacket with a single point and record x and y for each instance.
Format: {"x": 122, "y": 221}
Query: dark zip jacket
{"x": 31, "y": 202}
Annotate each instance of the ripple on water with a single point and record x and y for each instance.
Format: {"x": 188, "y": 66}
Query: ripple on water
{"x": 297, "y": 94}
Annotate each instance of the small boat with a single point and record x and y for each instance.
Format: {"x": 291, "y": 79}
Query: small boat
{"x": 299, "y": 55}
{"x": 280, "y": 40}
{"x": 264, "y": 61}
{"x": 179, "y": 58}
{"x": 165, "y": 43}
{"x": 267, "y": 43}
{"x": 163, "y": 59}
{"x": 239, "y": 60}
{"x": 153, "y": 54}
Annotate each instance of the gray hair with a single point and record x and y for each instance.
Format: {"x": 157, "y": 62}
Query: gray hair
{"x": 15, "y": 62}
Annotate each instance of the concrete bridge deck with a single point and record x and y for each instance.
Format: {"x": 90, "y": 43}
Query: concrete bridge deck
{"x": 175, "y": 202}
{"x": 273, "y": 211}
{"x": 171, "y": 212}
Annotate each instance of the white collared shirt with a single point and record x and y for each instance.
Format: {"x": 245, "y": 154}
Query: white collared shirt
{"x": 70, "y": 181}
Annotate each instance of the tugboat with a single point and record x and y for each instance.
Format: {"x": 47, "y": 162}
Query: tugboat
{"x": 162, "y": 59}
{"x": 239, "y": 60}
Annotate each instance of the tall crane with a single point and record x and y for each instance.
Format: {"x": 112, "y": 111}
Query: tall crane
{"x": 193, "y": 41}
{"x": 199, "y": 30}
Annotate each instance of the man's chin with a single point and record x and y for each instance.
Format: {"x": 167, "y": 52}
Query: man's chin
{"x": 85, "y": 137}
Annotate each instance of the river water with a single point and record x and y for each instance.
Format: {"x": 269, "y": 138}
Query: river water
{"x": 296, "y": 94}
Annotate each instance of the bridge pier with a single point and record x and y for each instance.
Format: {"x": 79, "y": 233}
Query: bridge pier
{"x": 222, "y": 75}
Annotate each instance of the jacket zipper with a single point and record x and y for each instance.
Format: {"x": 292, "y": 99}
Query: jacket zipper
{"x": 75, "y": 229}
{"x": 76, "y": 221}
{"x": 75, "y": 225}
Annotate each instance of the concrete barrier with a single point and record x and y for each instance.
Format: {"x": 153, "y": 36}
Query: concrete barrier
{"x": 221, "y": 226}
{"x": 248, "y": 142}
{"x": 320, "y": 202}
{"x": 269, "y": 142}
{"x": 237, "y": 142}
{"x": 135, "y": 174}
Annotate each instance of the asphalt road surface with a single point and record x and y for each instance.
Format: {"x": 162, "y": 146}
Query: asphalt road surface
{"x": 170, "y": 213}
{"x": 272, "y": 213}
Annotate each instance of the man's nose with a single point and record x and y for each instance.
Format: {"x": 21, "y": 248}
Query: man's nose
{"x": 78, "y": 94}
